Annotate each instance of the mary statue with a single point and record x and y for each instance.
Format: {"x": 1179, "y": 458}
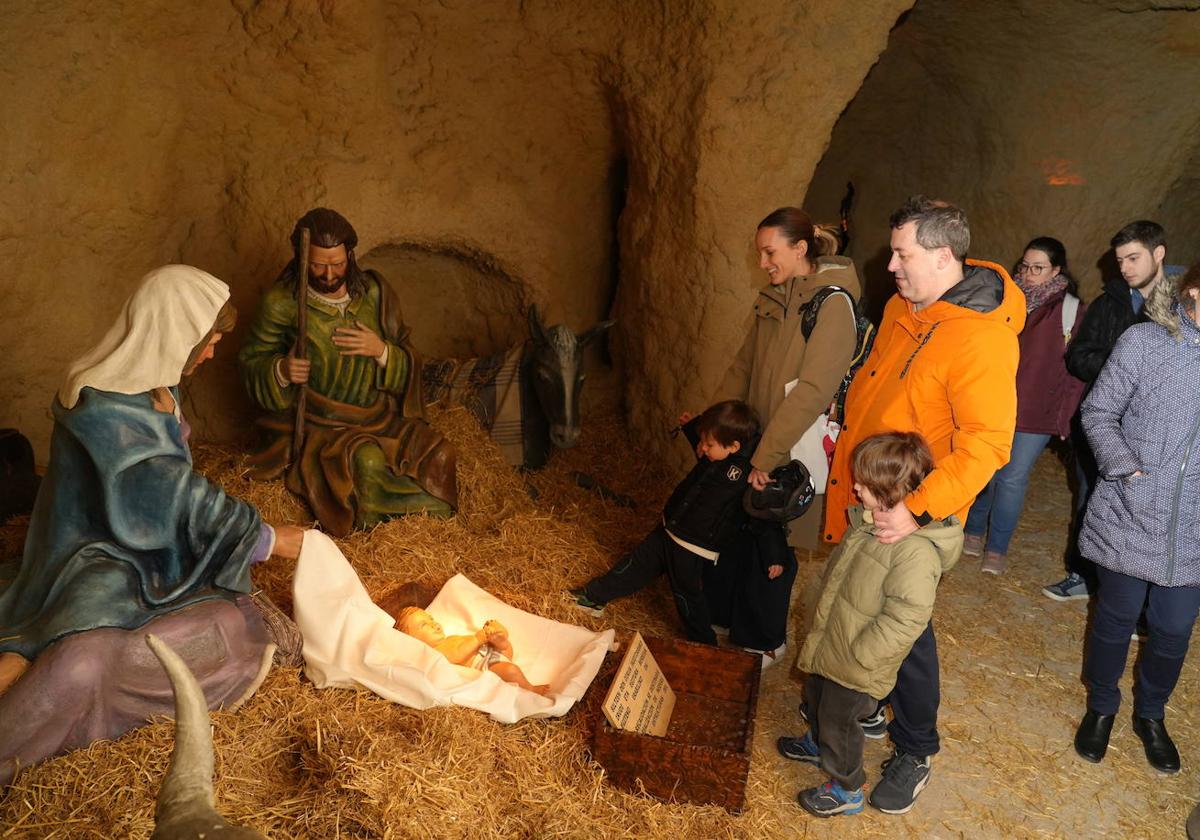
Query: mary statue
{"x": 126, "y": 536}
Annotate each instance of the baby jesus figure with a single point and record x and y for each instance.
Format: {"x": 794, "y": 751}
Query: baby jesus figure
{"x": 488, "y": 647}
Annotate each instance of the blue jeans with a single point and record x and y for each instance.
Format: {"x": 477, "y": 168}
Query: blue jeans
{"x": 998, "y": 507}
{"x": 1169, "y": 618}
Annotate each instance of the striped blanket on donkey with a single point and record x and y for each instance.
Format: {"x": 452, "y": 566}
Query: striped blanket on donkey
{"x": 494, "y": 390}
{"x": 528, "y": 397}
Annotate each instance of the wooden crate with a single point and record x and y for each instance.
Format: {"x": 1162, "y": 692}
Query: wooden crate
{"x": 705, "y": 756}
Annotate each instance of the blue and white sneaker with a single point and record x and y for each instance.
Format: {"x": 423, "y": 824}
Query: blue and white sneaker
{"x": 830, "y": 799}
{"x": 803, "y": 748}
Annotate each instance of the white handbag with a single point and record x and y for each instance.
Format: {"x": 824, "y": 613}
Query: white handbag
{"x": 815, "y": 448}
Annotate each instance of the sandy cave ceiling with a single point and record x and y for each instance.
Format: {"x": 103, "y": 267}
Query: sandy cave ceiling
{"x": 608, "y": 157}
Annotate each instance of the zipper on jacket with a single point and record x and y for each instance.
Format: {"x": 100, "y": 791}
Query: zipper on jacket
{"x": 924, "y": 341}
{"x": 1187, "y": 453}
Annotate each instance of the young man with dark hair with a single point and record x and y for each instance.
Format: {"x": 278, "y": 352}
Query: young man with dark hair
{"x": 1140, "y": 249}
{"x": 701, "y": 517}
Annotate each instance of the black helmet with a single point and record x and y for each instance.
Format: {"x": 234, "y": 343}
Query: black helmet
{"x": 789, "y": 494}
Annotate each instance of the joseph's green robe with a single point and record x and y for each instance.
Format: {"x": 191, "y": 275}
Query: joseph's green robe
{"x": 368, "y": 453}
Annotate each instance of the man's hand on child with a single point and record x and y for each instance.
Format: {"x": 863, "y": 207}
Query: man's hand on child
{"x": 774, "y": 571}
{"x": 894, "y": 524}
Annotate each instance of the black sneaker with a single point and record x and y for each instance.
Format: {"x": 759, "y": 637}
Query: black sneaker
{"x": 874, "y": 725}
{"x": 583, "y": 602}
{"x": 904, "y": 777}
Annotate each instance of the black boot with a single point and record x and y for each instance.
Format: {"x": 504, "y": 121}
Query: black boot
{"x": 1160, "y": 749}
{"x": 1091, "y": 738}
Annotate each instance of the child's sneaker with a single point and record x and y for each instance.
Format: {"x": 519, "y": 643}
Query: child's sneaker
{"x": 583, "y": 602}
{"x": 830, "y": 799}
{"x": 904, "y": 777}
{"x": 803, "y": 748}
{"x": 769, "y": 657}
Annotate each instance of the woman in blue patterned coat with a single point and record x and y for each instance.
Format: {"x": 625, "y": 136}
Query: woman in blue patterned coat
{"x": 1142, "y": 419}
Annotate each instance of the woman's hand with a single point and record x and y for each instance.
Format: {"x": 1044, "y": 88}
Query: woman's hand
{"x": 288, "y": 540}
{"x": 759, "y": 479}
{"x": 774, "y": 571}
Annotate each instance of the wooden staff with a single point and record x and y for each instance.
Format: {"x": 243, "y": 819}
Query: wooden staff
{"x": 300, "y": 351}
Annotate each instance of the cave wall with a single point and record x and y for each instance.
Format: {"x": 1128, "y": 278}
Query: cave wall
{"x": 497, "y": 140}
{"x": 1066, "y": 119}
{"x": 140, "y": 134}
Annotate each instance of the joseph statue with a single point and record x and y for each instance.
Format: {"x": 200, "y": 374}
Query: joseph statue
{"x": 367, "y": 453}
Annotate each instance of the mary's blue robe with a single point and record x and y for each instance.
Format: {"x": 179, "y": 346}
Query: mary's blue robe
{"x": 123, "y": 529}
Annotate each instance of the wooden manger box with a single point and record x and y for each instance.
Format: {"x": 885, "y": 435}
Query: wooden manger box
{"x": 704, "y": 757}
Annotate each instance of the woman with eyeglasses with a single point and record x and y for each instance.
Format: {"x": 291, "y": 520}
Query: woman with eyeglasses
{"x": 1047, "y": 397}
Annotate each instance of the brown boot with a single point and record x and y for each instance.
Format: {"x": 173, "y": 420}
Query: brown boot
{"x": 994, "y": 563}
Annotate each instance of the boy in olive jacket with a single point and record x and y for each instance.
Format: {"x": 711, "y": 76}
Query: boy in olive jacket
{"x": 875, "y": 602}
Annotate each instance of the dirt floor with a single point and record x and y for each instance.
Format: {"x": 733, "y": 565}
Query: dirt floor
{"x": 297, "y": 762}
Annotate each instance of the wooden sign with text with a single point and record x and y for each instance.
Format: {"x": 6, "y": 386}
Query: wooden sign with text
{"x": 639, "y": 699}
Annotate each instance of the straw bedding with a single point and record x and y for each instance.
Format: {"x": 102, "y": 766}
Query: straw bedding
{"x": 297, "y": 762}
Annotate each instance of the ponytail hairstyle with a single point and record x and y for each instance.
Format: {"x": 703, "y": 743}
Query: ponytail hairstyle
{"x": 796, "y": 226}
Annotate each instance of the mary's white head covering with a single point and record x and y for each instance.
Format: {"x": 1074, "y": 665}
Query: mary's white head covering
{"x": 174, "y": 307}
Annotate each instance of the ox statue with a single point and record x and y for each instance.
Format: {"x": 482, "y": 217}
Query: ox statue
{"x": 526, "y": 397}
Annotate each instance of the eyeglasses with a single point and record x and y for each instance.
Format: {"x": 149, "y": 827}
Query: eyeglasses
{"x": 1032, "y": 269}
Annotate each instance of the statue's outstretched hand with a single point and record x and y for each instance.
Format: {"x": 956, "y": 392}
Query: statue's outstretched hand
{"x": 288, "y": 539}
{"x": 358, "y": 340}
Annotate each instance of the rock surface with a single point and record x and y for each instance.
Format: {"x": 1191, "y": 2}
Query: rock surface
{"x": 604, "y": 159}
{"x": 1063, "y": 119}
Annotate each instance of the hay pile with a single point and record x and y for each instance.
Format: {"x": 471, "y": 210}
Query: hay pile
{"x": 297, "y": 762}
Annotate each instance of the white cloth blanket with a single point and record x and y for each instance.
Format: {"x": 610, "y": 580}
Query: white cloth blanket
{"x": 350, "y": 642}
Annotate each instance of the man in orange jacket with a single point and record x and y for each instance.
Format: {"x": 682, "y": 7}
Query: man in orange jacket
{"x": 944, "y": 364}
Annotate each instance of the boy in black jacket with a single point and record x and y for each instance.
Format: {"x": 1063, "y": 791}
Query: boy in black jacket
{"x": 702, "y": 516}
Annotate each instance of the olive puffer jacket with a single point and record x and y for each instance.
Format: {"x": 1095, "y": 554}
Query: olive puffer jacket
{"x": 1143, "y": 415}
{"x": 875, "y": 601}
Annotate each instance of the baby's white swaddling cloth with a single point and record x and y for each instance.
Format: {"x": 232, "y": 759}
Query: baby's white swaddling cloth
{"x": 350, "y": 642}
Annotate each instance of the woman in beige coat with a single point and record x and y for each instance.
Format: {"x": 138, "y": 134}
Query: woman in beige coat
{"x": 790, "y": 380}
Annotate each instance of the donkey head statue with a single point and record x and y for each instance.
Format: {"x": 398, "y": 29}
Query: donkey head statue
{"x": 557, "y": 368}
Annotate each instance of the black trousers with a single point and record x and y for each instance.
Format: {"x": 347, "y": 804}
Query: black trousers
{"x": 833, "y": 713}
{"x": 742, "y": 597}
{"x": 916, "y": 698}
{"x": 1086, "y": 475}
{"x": 653, "y": 556}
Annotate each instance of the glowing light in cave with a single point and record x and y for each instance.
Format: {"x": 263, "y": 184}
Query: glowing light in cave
{"x": 1060, "y": 172}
